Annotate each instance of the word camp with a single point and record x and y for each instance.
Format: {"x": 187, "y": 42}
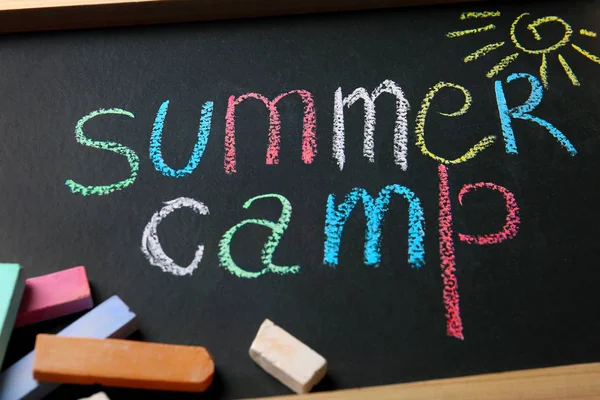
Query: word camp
{"x": 339, "y": 209}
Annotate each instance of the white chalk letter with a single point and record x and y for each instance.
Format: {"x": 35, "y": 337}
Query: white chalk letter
{"x": 400, "y": 128}
{"x": 151, "y": 245}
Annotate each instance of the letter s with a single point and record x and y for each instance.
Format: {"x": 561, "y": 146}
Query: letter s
{"x": 132, "y": 158}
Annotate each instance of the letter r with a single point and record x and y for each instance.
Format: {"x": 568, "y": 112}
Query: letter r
{"x": 522, "y": 112}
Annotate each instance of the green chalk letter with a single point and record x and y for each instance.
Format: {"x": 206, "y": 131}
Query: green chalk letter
{"x": 267, "y": 252}
{"x": 132, "y": 158}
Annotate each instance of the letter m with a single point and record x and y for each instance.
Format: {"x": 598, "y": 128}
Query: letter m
{"x": 336, "y": 218}
{"x": 400, "y": 128}
{"x": 309, "y": 144}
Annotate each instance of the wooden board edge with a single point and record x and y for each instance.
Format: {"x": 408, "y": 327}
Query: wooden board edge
{"x": 46, "y": 15}
{"x": 573, "y": 382}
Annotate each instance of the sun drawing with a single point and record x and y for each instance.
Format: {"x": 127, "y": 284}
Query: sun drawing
{"x": 545, "y": 53}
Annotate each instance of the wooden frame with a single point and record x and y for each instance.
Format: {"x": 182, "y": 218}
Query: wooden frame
{"x": 37, "y": 15}
{"x": 573, "y": 382}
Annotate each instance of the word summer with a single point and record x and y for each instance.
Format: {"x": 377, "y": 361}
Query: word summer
{"x": 337, "y": 210}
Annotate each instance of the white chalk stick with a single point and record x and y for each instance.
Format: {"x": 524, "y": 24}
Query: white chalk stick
{"x": 97, "y": 396}
{"x": 289, "y": 360}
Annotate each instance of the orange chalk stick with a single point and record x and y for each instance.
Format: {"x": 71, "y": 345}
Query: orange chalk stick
{"x": 122, "y": 363}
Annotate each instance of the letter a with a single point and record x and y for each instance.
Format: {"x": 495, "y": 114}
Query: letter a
{"x": 268, "y": 250}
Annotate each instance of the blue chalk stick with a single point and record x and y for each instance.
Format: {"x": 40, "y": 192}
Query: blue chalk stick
{"x": 12, "y": 284}
{"x": 111, "y": 319}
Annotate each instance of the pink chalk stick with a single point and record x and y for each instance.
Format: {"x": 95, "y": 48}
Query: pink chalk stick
{"x": 54, "y": 295}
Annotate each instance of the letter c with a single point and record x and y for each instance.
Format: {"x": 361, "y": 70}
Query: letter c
{"x": 151, "y": 246}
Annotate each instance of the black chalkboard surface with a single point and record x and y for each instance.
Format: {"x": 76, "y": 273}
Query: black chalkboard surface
{"x": 410, "y": 192}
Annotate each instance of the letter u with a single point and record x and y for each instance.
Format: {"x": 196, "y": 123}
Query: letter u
{"x": 156, "y": 139}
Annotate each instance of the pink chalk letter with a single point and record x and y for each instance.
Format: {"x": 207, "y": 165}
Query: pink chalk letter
{"x": 454, "y": 326}
{"x": 309, "y": 143}
{"x": 54, "y": 295}
{"x": 511, "y": 227}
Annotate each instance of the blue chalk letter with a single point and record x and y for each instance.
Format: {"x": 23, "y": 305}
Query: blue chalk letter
{"x": 335, "y": 220}
{"x": 155, "y": 141}
{"x": 522, "y": 112}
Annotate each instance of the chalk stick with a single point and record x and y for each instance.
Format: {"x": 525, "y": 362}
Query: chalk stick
{"x": 122, "y": 363}
{"x": 54, "y": 295}
{"x": 286, "y": 358}
{"x": 12, "y": 283}
{"x": 112, "y": 318}
{"x": 97, "y": 396}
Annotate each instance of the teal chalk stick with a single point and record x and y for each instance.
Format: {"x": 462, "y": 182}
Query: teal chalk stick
{"x": 12, "y": 284}
{"x": 110, "y": 319}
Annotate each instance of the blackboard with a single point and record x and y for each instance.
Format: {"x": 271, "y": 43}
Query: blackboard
{"x": 477, "y": 266}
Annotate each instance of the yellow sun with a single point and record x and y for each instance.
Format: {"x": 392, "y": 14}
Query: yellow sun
{"x": 533, "y": 27}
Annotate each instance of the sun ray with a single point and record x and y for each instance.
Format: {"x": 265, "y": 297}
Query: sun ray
{"x": 483, "y": 51}
{"x": 501, "y": 65}
{"x": 470, "y": 31}
{"x": 544, "y": 71}
{"x": 589, "y": 55}
{"x": 482, "y": 14}
{"x": 568, "y": 70}
{"x": 585, "y": 32}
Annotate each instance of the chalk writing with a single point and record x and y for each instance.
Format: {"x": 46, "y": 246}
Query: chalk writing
{"x": 420, "y": 125}
{"x": 585, "y": 32}
{"x": 268, "y": 250}
{"x": 568, "y": 70}
{"x": 400, "y": 128}
{"x": 505, "y": 62}
{"x": 586, "y": 53}
{"x": 454, "y": 327}
{"x": 156, "y": 138}
{"x": 335, "y": 219}
{"x": 510, "y": 228}
{"x": 457, "y": 34}
{"x": 544, "y": 70}
{"x": 522, "y": 112}
{"x": 479, "y": 14}
{"x": 533, "y": 28}
{"x": 152, "y": 248}
{"x": 126, "y": 152}
{"x": 337, "y": 214}
{"x": 483, "y": 51}
{"x": 309, "y": 144}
